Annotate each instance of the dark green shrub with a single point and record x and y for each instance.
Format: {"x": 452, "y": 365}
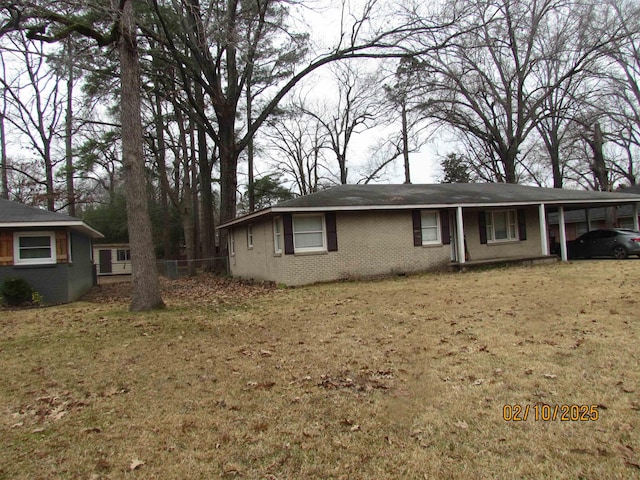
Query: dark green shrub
{"x": 16, "y": 291}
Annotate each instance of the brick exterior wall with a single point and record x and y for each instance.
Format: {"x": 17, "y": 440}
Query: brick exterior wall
{"x": 369, "y": 244}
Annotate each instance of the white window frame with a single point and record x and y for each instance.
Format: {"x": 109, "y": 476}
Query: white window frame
{"x": 69, "y": 250}
{"x": 277, "y": 235}
{"x": 423, "y": 228}
{"x": 127, "y": 254}
{"x": 323, "y": 247}
{"x": 512, "y": 226}
{"x": 52, "y": 259}
{"x": 232, "y": 244}
{"x": 250, "y": 236}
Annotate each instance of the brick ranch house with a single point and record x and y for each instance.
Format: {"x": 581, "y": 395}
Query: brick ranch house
{"x": 51, "y": 251}
{"x": 353, "y": 231}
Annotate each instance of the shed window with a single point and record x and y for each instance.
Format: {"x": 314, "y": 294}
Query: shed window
{"x": 277, "y": 235}
{"x": 250, "y": 236}
{"x": 124, "y": 255}
{"x": 34, "y": 248}
{"x": 232, "y": 243}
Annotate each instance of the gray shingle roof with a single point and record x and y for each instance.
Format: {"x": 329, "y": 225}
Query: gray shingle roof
{"x": 447, "y": 194}
{"x": 362, "y": 197}
{"x": 15, "y": 214}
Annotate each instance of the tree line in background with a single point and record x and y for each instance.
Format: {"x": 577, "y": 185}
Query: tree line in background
{"x": 184, "y": 113}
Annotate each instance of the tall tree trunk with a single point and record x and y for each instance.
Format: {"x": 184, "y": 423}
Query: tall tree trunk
{"x": 599, "y": 168}
{"x": 206, "y": 193}
{"x": 405, "y": 142}
{"x": 4, "y": 178}
{"x": 68, "y": 128}
{"x": 48, "y": 166}
{"x": 145, "y": 283}
{"x": 228, "y": 182}
{"x": 161, "y": 159}
{"x": 251, "y": 187}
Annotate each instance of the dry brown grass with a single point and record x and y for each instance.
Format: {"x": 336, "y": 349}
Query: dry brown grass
{"x": 400, "y": 378}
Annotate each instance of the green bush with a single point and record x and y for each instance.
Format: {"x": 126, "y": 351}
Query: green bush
{"x": 16, "y": 291}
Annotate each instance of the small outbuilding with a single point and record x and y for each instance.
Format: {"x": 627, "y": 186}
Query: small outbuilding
{"x": 353, "y": 231}
{"x": 112, "y": 258}
{"x": 51, "y": 251}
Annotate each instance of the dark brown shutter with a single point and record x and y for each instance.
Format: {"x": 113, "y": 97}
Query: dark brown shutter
{"x": 417, "y": 228}
{"x": 332, "y": 234}
{"x": 287, "y": 226}
{"x": 444, "y": 227}
{"x": 522, "y": 224}
{"x": 482, "y": 222}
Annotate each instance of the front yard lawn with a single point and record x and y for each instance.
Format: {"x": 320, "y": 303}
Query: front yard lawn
{"x": 400, "y": 378}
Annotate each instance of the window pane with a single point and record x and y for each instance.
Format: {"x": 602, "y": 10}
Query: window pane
{"x": 429, "y": 219}
{"x": 307, "y": 224}
{"x": 429, "y": 235}
{"x": 35, "y": 253}
{"x": 29, "y": 242}
{"x": 309, "y": 240}
{"x": 500, "y": 225}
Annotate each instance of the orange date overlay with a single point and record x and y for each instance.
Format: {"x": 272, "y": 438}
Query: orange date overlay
{"x": 549, "y": 413}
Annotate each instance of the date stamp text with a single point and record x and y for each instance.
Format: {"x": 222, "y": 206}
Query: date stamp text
{"x": 550, "y": 413}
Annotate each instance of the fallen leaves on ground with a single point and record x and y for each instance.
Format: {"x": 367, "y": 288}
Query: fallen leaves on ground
{"x": 205, "y": 288}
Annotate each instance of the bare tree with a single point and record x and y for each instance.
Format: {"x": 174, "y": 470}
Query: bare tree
{"x": 4, "y": 158}
{"x": 487, "y": 84}
{"x": 36, "y": 102}
{"x": 296, "y": 143}
{"x": 620, "y": 104}
{"x": 354, "y": 111}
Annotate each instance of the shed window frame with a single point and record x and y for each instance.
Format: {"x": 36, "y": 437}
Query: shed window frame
{"x": 123, "y": 254}
{"x": 250, "y": 236}
{"x": 231, "y": 241}
{"x": 17, "y": 248}
{"x": 277, "y": 235}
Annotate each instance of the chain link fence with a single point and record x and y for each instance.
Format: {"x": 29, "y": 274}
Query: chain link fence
{"x": 174, "y": 269}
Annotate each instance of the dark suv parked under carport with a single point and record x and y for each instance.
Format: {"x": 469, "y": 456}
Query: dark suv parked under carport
{"x": 614, "y": 242}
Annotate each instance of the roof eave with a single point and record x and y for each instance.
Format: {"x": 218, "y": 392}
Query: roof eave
{"x": 78, "y": 226}
{"x": 352, "y": 208}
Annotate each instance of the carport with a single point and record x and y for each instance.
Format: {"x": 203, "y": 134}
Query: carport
{"x": 548, "y": 201}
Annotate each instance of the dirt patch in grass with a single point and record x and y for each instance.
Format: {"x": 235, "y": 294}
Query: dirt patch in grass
{"x": 400, "y": 378}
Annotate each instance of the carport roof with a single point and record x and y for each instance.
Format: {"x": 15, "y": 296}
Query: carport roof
{"x": 18, "y": 215}
{"x": 444, "y": 195}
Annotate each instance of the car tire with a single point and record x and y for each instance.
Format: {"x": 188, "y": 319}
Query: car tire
{"x": 619, "y": 252}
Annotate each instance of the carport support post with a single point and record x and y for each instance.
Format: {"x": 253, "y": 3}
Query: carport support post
{"x": 636, "y": 227}
{"x": 544, "y": 234}
{"x": 460, "y": 236}
{"x": 563, "y": 234}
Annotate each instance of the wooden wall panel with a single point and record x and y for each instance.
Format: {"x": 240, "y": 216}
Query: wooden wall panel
{"x": 6, "y": 248}
{"x": 62, "y": 246}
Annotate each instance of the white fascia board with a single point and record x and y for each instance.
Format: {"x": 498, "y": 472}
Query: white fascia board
{"x": 79, "y": 225}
